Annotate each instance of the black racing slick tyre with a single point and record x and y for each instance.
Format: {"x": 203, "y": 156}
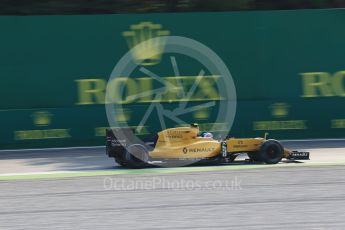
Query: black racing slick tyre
{"x": 136, "y": 156}
{"x": 120, "y": 162}
{"x": 271, "y": 152}
{"x": 118, "y": 158}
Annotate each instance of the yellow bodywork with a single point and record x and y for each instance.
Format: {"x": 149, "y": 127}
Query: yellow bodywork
{"x": 244, "y": 144}
{"x": 235, "y": 145}
{"x": 184, "y": 143}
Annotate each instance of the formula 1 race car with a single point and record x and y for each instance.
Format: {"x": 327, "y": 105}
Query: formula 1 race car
{"x": 185, "y": 144}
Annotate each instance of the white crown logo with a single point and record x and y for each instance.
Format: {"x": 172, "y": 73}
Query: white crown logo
{"x": 150, "y": 52}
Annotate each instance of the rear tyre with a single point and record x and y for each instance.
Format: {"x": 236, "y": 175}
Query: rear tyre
{"x": 117, "y": 157}
{"x": 120, "y": 161}
{"x": 271, "y": 152}
{"x": 136, "y": 156}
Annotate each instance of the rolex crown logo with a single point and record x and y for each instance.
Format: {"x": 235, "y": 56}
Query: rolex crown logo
{"x": 122, "y": 116}
{"x": 280, "y": 109}
{"x": 149, "y": 52}
{"x": 202, "y": 114}
{"x": 41, "y": 118}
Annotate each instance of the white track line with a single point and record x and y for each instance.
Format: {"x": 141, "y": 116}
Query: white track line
{"x": 40, "y": 173}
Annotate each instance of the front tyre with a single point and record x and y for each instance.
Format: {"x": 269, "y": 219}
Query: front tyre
{"x": 136, "y": 156}
{"x": 254, "y": 156}
{"x": 271, "y": 152}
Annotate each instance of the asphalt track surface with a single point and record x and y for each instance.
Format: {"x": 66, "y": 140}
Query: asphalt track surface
{"x": 309, "y": 195}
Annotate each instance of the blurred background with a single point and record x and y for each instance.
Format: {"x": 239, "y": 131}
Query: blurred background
{"x": 29, "y": 7}
{"x": 285, "y": 57}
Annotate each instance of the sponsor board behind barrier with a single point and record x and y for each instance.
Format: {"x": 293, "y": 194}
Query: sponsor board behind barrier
{"x": 54, "y": 75}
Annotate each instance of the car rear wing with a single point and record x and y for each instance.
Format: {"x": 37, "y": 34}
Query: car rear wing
{"x": 117, "y": 139}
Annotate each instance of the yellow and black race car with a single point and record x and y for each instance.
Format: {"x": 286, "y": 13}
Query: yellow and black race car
{"x": 187, "y": 146}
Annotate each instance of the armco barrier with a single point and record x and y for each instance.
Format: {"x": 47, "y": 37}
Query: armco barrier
{"x": 288, "y": 69}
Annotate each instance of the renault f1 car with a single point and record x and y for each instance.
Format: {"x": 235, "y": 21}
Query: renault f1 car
{"x": 185, "y": 144}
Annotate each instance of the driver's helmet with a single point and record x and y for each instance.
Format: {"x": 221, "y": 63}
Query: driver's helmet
{"x": 207, "y": 135}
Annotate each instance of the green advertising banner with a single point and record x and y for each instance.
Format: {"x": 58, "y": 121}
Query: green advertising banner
{"x": 286, "y": 75}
